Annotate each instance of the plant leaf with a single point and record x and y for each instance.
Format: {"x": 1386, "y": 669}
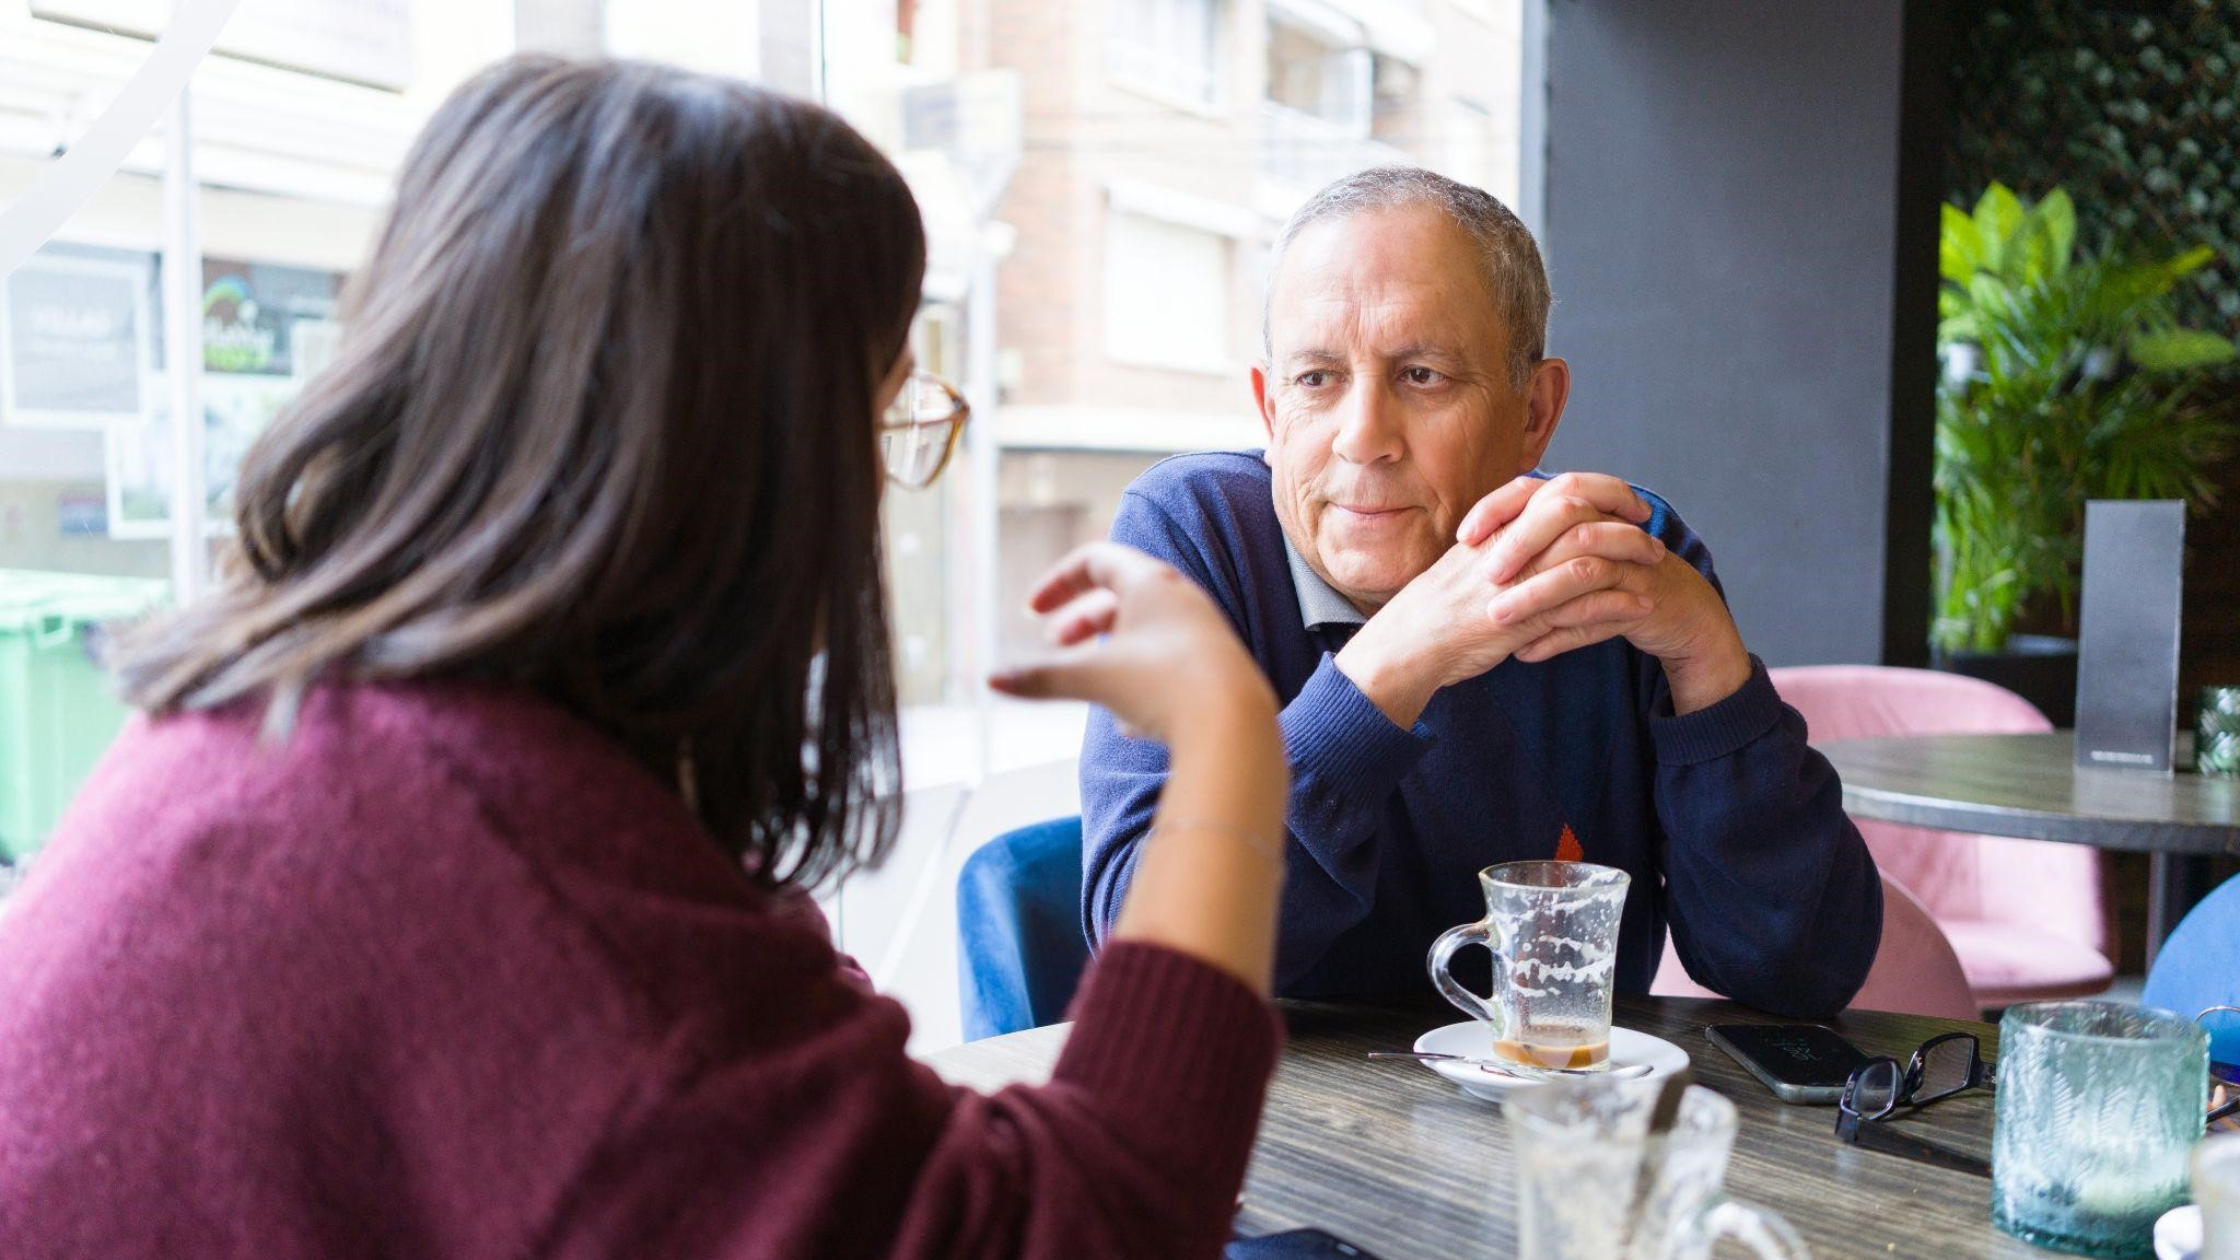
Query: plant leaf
{"x": 1998, "y": 214}
{"x": 2189, "y": 262}
{"x": 1956, "y": 327}
{"x": 2174, "y": 349}
{"x": 1957, "y": 246}
{"x": 2056, "y": 216}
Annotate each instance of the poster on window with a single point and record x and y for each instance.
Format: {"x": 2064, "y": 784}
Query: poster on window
{"x": 264, "y": 320}
{"x": 76, "y": 339}
{"x": 235, "y": 408}
{"x": 266, "y": 329}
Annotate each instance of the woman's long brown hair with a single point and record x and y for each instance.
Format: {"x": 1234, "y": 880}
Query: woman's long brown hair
{"x": 601, "y": 425}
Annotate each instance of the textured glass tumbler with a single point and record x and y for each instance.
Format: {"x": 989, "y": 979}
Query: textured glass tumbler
{"x": 1552, "y": 928}
{"x": 1581, "y": 1147}
{"x": 2216, "y": 732}
{"x": 2099, "y": 1106}
{"x": 2216, "y": 1187}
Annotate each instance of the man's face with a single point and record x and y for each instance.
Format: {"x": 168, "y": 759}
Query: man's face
{"x": 1387, "y": 396}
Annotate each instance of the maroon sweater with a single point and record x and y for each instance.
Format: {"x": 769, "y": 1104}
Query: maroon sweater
{"x": 448, "y": 975}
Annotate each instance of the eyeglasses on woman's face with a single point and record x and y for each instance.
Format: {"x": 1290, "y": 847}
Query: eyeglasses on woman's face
{"x": 919, "y": 431}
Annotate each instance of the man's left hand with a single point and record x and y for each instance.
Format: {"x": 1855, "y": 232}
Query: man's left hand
{"x": 1547, "y": 536}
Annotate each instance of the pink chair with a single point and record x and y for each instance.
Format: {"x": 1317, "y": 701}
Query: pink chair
{"x": 2025, "y": 916}
{"x": 1915, "y": 971}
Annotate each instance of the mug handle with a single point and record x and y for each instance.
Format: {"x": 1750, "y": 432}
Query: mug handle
{"x": 1442, "y": 953}
{"x": 1763, "y": 1231}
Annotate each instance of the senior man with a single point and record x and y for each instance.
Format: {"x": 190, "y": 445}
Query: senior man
{"x": 1478, "y": 664}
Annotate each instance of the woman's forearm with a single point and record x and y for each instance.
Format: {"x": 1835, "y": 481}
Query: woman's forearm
{"x": 1210, "y": 879}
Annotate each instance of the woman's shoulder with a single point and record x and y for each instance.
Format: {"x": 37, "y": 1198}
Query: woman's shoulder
{"x": 443, "y": 916}
{"x": 424, "y": 821}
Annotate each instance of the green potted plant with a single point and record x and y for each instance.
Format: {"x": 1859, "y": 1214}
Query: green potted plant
{"x": 2066, "y": 378}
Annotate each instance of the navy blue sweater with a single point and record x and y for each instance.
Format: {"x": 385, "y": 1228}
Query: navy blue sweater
{"x": 1732, "y": 828}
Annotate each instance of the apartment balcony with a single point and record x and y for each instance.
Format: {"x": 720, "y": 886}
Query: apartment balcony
{"x": 1300, "y": 152}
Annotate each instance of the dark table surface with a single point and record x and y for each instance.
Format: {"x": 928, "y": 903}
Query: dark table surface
{"x": 1395, "y": 1159}
{"x": 2030, "y": 786}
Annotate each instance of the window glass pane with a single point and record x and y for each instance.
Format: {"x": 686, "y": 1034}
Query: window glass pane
{"x": 298, "y": 123}
{"x": 81, "y": 343}
{"x": 1101, "y": 182}
{"x": 1170, "y": 46}
{"x": 1166, "y": 292}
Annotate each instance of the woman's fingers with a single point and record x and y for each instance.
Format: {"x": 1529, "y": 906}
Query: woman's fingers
{"x": 1076, "y": 673}
{"x": 1082, "y": 597}
{"x": 1133, "y": 635}
{"x": 1088, "y": 567}
{"x": 1085, "y": 616}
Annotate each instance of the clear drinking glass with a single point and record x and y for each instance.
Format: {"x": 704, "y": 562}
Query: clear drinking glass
{"x": 2099, "y": 1104}
{"x": 1552, "y": 928}
{"x": 1581, "y": 1147}
{"x": 2216, "y": 1187}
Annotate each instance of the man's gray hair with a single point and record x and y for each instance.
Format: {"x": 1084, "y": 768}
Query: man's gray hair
{"x": 1513, "y": 273}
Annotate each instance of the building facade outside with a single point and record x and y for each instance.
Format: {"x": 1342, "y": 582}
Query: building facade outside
{"x": 1158, "y": 166}
{"x": 1160, "y": 145}
{"x": 1102, "y": 179}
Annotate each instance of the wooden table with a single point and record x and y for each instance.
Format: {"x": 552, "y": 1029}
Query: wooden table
{"x": 2029, "y": 786}
{"x": 1397, "y": 1160}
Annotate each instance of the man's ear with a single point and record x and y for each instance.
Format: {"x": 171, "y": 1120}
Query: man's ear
{"x": 1264, "y": 399}
{"x": 1544, "y": 399}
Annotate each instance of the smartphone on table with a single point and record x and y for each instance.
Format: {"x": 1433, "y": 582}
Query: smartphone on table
{"x": 1800, "y": 1063}
{"x": 1295, "y": 1244}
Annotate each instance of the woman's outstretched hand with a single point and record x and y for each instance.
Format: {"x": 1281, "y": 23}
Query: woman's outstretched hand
{"x": 1140, "y": 639}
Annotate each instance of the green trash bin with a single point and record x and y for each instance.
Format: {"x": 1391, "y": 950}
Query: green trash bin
{"x": 58, "y": 712}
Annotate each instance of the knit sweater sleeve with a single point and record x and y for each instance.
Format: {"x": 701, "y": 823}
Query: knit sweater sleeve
{"x": 1753, "y": 817}
{"x": 1137, "y": 1145}
{"x": 813, "y": 1134}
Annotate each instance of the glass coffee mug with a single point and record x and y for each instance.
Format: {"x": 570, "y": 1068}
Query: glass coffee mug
{"x": 1592, "y": 1185}
{"x": 1552, "y": 928}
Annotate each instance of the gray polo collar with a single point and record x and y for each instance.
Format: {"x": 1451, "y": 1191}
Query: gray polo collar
{"x": 1320, "y": 604}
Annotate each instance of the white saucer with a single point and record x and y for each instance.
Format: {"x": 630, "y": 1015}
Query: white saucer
{"x": 1474, "y": 1039}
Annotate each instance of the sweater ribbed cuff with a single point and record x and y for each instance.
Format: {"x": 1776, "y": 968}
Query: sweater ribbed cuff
{"x": 1166, "y": 1036}
{"x": 1722, "y": 729}
{"x": 1338, "y": 738}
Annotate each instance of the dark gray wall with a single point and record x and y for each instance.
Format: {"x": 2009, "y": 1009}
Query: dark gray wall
{"x": 1723, "y": 234}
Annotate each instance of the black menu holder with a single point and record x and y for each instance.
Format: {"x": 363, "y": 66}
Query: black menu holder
{"x": 2127, "y": 661}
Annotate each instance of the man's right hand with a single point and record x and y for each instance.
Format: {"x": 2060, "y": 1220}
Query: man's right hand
{"x": 1439, "y": 629}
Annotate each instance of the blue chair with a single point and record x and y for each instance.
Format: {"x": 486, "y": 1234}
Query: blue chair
{"x": 2199, "y": 966}
{"x": 1020, "y": 953}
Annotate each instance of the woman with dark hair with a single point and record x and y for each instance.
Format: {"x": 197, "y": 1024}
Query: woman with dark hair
{"x": 450, "y": 900}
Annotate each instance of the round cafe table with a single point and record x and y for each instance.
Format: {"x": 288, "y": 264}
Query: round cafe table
{"x": 2029, "y": 786}
{"x": 1390, "y": 1157}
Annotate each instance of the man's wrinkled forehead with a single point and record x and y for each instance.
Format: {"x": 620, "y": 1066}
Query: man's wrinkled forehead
{"x": 1387, "y": 282}
{"x": 1385, "y": 327}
